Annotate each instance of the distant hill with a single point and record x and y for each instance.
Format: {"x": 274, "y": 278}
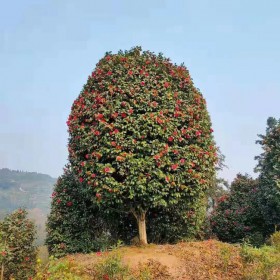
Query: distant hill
{"x": 30, "y": 190}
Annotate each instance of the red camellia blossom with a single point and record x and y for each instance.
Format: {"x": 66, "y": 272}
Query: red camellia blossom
{"x": 166, "y": 84}
{"x": 142, "y": 83}
{"x": 81, "y": 180}
{"x": 123, "y": 115}
{"x": 98, "y": 195}
{"x": 59, "y": 201}
{"x": 3, "y": 253}
{"x": 198, "y": 133}
{"x": 130, "y": 111}
{"x": 97, "y": 133}
{"x": 107, "y": 169}
{"x": 69, "y": 203}
{"x": 170, "y": 139}
{"x": 93, "y": 175}
{"x": 182, "y": 160}
{"x": 174, "y": 166}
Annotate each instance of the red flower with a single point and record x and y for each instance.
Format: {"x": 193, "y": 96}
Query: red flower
{"x": 93, "y": 175}
{"x": 109, "y": 73}
{"x": 58, "y": 201}
{"x": 211, "y": 130}
{"x": 167, "y": 179}
{"x": 116, "y": 131}
{"x": 174, "y": 166}
{"x": 130, "y": 72}
{"x": 182, "y": 160}
{"x": 170, "y": 139}
{"x": 87, "y": 156}
{"x": 123, "y": 104}
{"x": 130, "y": 111}
{"x": 119, "y": 158}
{"x": 98, "y": 253}
{"x": 113, "y": 143}
{"x": 106, "y": 277}
{"x": 96, "y": 132}
{"x": 107, "y": 169}
{"x": 81, "y": 180}
{"x": 166, "y": 84}
{"x": 69, "y": 203}
{"x": 98, "y": 195}
{"x": 142, "y": 83}
{"x": 123, "y": 115}
{"x": 3, "y": 253}
{"x": 198, "y": 133}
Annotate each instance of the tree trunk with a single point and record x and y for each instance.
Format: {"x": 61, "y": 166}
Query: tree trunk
{"x": 2, "y": 271}
{"x": 141, "y": 222}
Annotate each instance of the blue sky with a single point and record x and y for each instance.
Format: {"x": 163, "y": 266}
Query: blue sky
{"x": 48, "y": 49}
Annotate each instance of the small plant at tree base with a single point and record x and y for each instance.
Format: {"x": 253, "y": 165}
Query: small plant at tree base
{"x": 140, "y": 136}
{"x": 17, "y": 253}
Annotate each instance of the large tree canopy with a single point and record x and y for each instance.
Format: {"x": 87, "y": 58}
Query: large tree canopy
{"x": 140, "y": 135}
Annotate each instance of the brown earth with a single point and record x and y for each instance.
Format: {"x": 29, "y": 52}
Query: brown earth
{"x": 184, "y": 261}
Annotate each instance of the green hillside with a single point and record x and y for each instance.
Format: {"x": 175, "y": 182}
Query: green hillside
{"x": 30, "y": 190}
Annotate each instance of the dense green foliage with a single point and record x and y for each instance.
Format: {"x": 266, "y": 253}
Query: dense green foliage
{"x": 269, "y": 168}
{"x": 140, "y": 135}
{"x": 74, "y": 222}
{"x": 17, "y": 251}
{"x": 237, "y": 216}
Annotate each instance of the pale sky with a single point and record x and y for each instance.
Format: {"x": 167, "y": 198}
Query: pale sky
{"x": 48, "y": 49}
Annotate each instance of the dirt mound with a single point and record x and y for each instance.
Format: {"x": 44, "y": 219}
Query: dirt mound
{"x": 184, "y": 261}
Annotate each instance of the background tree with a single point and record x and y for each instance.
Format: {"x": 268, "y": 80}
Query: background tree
{"x": 75, "y": 223}
{"x": 269, "y": 169}
{"x": 237, "y": 216}
{"x": 140, "y": 135}
{"x": 18, "y": 254}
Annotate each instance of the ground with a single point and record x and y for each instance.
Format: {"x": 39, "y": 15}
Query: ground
{"x": 211, "y": 259}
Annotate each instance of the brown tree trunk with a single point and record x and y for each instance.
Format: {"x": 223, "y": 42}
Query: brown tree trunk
{"x": 141, "y": 222}
{"x": 2, "y": 271}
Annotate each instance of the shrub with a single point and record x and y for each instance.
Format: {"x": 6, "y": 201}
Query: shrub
{"x": 275, "y": 240}
{"x": 141, "y": 137}
{"x": 75, "y": 224}
{"x": 236, "y": 216}
{"x": 260, "y": 263}
{"x": 18, "y": 254}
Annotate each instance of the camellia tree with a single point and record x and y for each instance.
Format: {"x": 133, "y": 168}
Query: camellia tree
{"x": 141, "y": 136}
{"x": 269, "y": 169}
{"x": 236, "y": 215}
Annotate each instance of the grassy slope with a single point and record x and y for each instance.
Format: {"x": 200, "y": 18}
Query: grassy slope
{"x": 186, "y": 261}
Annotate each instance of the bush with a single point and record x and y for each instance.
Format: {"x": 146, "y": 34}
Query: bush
{"x": 75, "y": 224}
{"x": 237, "y": 216}
{"x": 18, "y": 254}
{"x": 275, "y": 240}
{"x": 260, "y": 263}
